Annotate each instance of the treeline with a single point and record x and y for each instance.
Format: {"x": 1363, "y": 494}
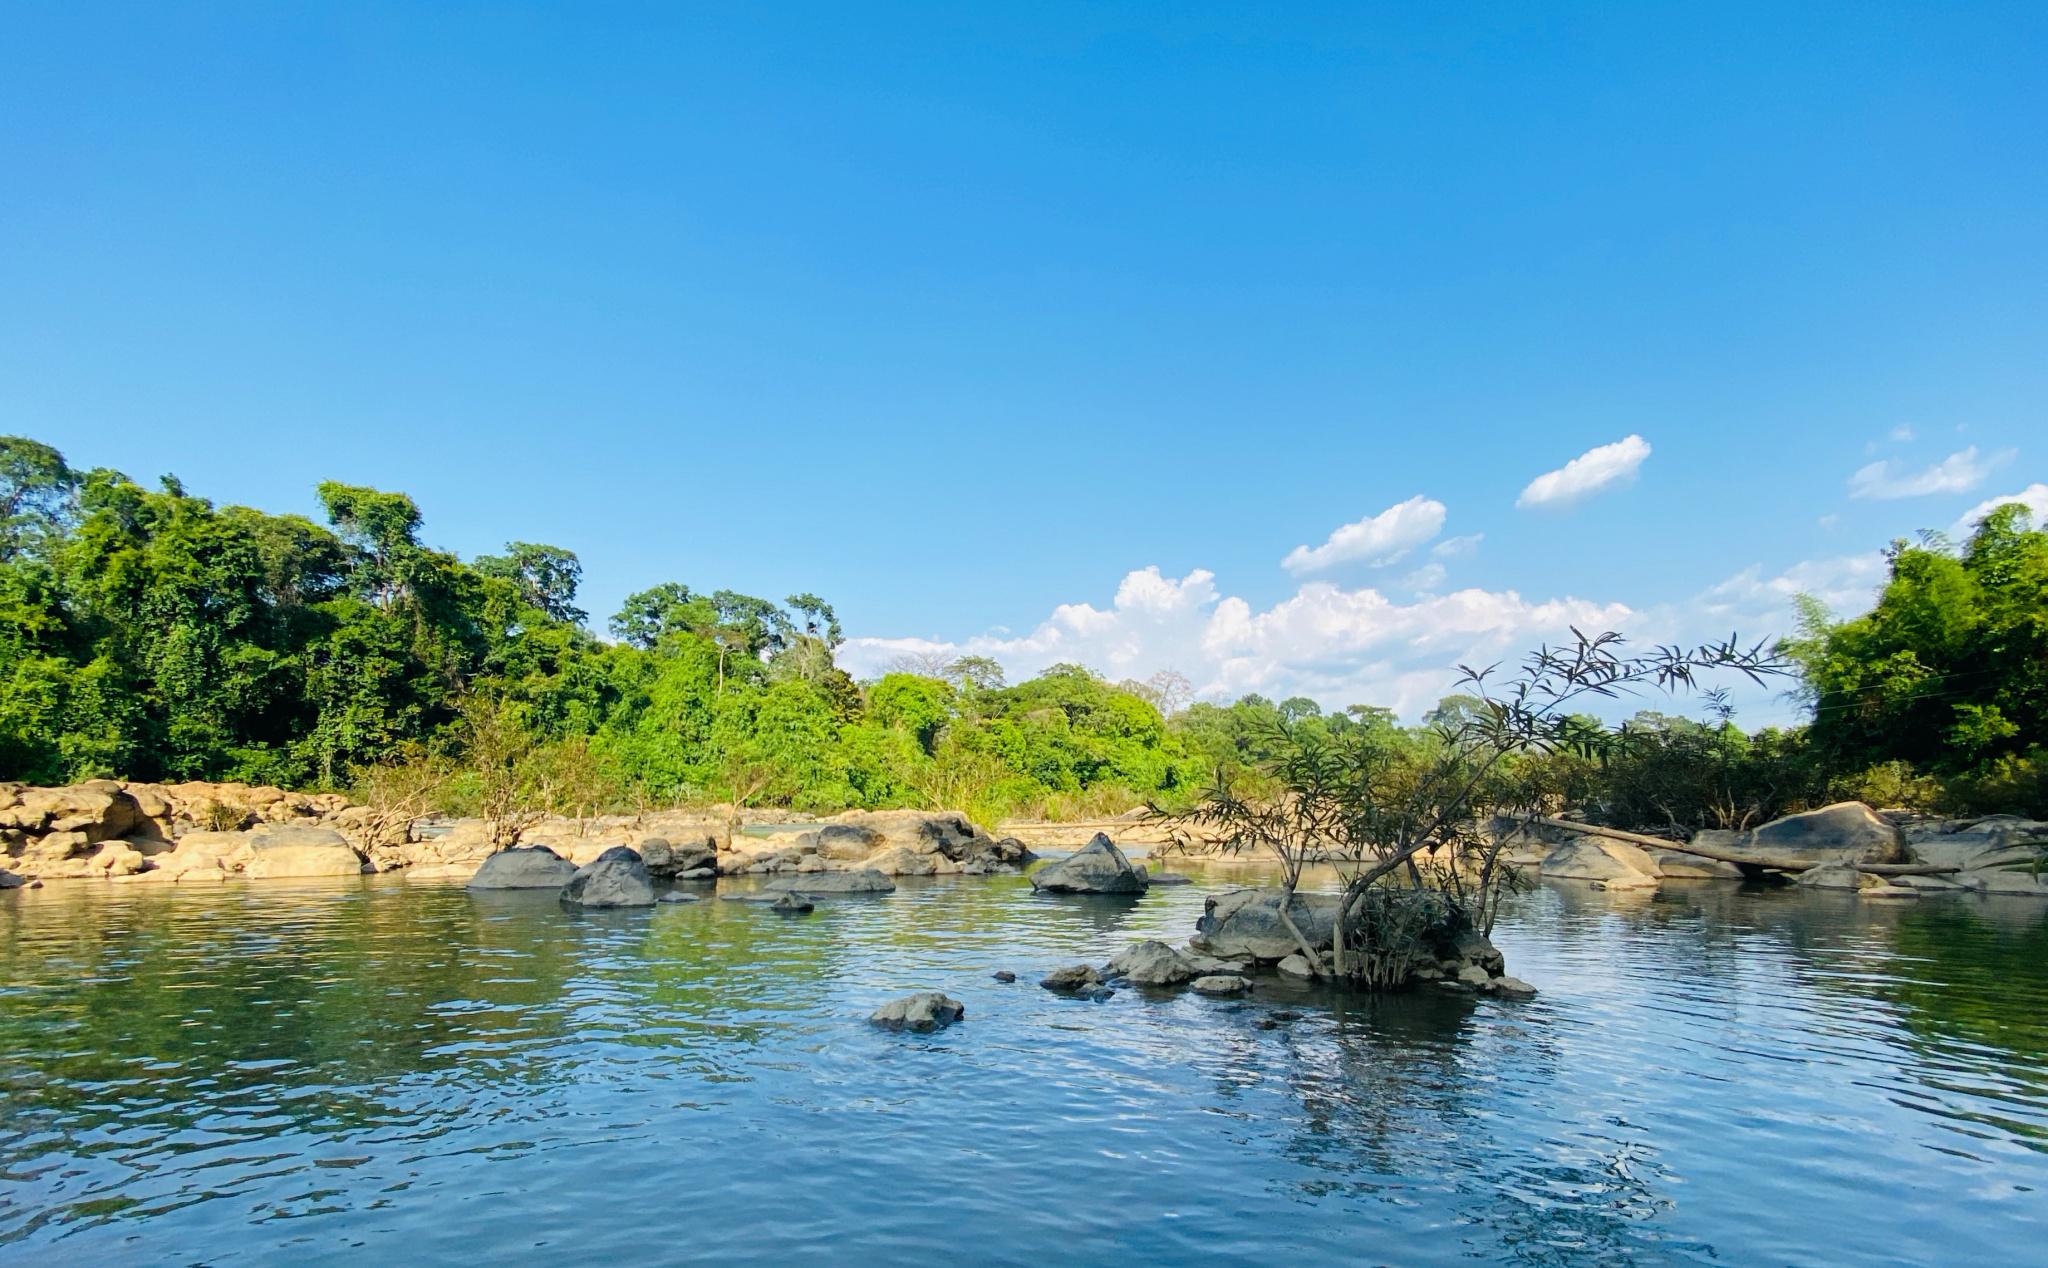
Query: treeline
{"x": 147, "y": 633}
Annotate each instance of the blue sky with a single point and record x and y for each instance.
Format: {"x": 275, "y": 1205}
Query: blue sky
{"x": 966, "y": 317}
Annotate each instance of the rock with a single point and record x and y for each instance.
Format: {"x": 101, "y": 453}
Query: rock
{"x": 664, "y": 857}
{"x": 2000, "y": 841}
{"x": 848, "y": 842}
{"x": 1615, "y": 864}
{"x": 1831, "y": 876}
{"x": 1473, "y": 975}
{"x": 2012, "y": 880}
{"x": 1847, "y": 831}
{"x": 1101, "y": 993}
{"x": 1099, "y": 868}
{"x": 792, "y": 905}
{"x": 1168, "y": 878}
{"x": 524, "y": 867}
{"x": 8, "y": 880}
{"x": 1075, "y": 977}
{"x": 1673, "y": 865}
{"x": 673, "y": 897}
{"x": 924, "y": 1011}
{"x": 1471, "y": 947}
{"x": 1245, "y": 924}
{"x": 1886, "y": 890}
{"x": 858, "y": 881}
{"x": 942, "y": 833}
{"x": 1296, "y": 966}
{"x": 897, "y": 860}
{"x": 1220, "y": 985}
{"x": 1152, "y": 963}
{"x": 616, "y": 878}
{"x": 1001, "y": 975}
{"x": 1514, "y": 986}
{"x": 290, "y": 850}
{"x": 698, "y": 874}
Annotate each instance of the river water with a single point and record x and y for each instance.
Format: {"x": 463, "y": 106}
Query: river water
{"x": 393, "y": 1072}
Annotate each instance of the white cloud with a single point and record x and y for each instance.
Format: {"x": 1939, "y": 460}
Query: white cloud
{"x": 1335, "y": 645}
{"x": 1457, "y": 547}
{"x": 1376, "y": 540}
{"x": 1593, "y": 470}
{"x": 2034, "y": 497}
{"x": 1958, "y": 473}
{"x": 1426, "y": 578}
{"x": 1902, "y": 433}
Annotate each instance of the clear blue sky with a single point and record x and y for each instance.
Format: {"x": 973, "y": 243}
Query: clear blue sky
{"x": 955, "y": 315}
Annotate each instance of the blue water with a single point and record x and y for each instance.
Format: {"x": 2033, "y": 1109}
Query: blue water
{"x": 383, "y": 1071}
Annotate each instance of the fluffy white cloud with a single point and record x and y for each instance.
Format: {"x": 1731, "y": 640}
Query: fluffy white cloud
{"x": 1958, "y": 473}
{"x": 1335, "y": 645}
{"x": 1598, "y": 468}
{"x": 1376, "y": 540}
{"x": 2034, "y": 497}
{"x": 1457, "y": 547}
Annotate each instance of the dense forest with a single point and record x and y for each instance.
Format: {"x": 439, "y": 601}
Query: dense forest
{"x": 147, "y": 633}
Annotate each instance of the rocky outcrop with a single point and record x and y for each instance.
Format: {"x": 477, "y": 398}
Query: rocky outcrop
{"x": 290, "y": 850}
{"x": 524, "y": 867}
{"x": 924, "y": 1011}
{"x": 695, "y": 858}
{"x": 859, "y": 881}
{"x": 1245, "y": 924}
{"x": 616, "y": 878}
{"x": 1100, "y": 868}
{"x": 1606, "y": 863}
{"x": 1848, "y": 831}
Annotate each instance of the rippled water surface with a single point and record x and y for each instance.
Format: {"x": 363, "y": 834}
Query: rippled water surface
{"x": 392, "y": 1072}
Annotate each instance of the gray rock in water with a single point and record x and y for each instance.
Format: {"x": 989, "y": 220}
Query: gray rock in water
{"x": 616, "y": 878}
{"x": 1244, "y": 924}
{"x": 792, "y": 905}
{"x": 1296, "y": 965}
{"x": 1219, "y": 984}
{"x": 1511, "y": 986}
{"x": 673, "y": 897}
{"x": 1673, "y": 865}
{"x": 1004, "y": 975}
{"x": 1075, "y": 977}
{"x": 1848, "y": 830}
{"x": 523, "y": 867}
{"x": 1168, "y": 878}
{"x": 858, "y": 881}
{"x": 1098, "y": 868}
{"x": 926, "y": 1010}
{"x": 1152, "y": 963}
{"x": 1101, "y": 993}
{"x": 666, "y": 858}
{"x": 8, "y": 880}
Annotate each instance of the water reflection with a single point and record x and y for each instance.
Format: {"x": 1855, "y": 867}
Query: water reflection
{"x": 1712, "y": 1072}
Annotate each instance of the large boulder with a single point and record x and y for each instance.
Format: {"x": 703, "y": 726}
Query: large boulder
{"x": 523, "y": 867}
{"x": 292, "y": 850}
{"x": 1245, "y": 924}
{"x": 99, "y": 809}
{"x": 858, "y": 881}
{"x": 847, "y": 842}
{"x": 2002, "y": 841}
{"x": 1612, "y": 864}
{"x": 1847, "y": 831}
{"x": 616, "y": 878}
{"x": 924, "y": 1011}
{"x": 1099, "y": 868}
{"x": 664, "y": 857}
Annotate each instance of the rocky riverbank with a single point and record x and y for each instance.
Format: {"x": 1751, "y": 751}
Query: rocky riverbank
{"x": 1848, "y": 846}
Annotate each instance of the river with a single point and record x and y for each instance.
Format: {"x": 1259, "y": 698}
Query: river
{"x": 384, "y": 1071}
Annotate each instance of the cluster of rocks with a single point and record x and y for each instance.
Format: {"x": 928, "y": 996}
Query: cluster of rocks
{"x": 1246, "y": 925}
{"x": 1830, "y": 848}
{"x": 892, "y": 842}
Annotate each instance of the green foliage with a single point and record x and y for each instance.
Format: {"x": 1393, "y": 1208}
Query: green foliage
{"x": 1948, "y": 674}
{"x": 146, "y": 633}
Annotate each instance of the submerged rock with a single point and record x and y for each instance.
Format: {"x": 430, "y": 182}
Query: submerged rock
{"x": 616, "y": 878}
{"x": 1098, "y": 868}
{"x": 1220, "y": 984}
{"x": 924, "y": 1011}
{"x": 1004, "y": 975}
{"x": 9, "y": 880}
{"x": 523, "y": 867}
{"x": 792, "y": 905}
{"x": 673, "y": 897}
